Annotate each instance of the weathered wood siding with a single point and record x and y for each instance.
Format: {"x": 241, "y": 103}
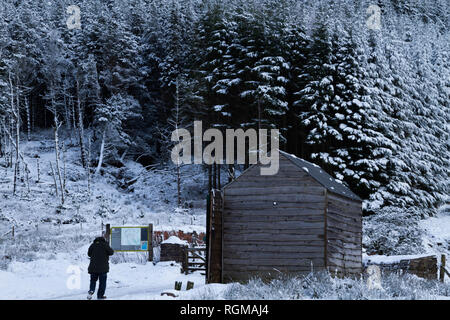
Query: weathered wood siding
{"x": 260, "y": 237}
{"x": 344, "y": 235}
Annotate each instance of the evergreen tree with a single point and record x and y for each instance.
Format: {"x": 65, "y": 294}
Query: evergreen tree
{"x": 315, "y": 97}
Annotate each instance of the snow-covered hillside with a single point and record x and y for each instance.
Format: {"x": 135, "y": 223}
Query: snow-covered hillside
{"x": 49, "y": 246}
{"x": 49, "y": 237}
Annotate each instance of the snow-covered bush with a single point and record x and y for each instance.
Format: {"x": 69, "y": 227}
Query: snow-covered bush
{"x": 75, "y": 174}
{"x": 392, "y": 231}
{"x": 129, "y": 257}
{"x": 323, "y": 285}
{"x": 30, "y": 245}
{"x": 4, "y": 262}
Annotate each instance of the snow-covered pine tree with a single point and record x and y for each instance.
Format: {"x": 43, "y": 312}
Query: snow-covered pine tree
{"x": 315, "y": 97}
{"x": 262, "y": 69}
{"x": 376, "y": 79}
{"x": 176, "y": 57}
{"x": 425, "y": 133}
{"x": 406, "y": 115}
{"x": 295, "y": 44}
{"x": 214, "y": 63}
{"x": 357, "y": 151}
{"x": 110, "y": 119}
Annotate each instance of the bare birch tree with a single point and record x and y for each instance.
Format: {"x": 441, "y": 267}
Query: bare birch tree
{"x": 16, "y": 118}
{"x": 80, "y": 126}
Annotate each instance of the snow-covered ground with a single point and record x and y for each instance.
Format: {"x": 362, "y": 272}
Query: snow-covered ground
{"x": 438, "y": 229}
{"x": 49, "y": 237}
{"x": 59, "y": 279}
{"x": 47, "y": 257}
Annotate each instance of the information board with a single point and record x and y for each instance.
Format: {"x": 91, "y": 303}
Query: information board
{"x": 129, "y": 238}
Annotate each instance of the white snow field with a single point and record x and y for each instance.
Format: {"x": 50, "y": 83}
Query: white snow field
{"x": 52, "y": 279}
{"x": 437, "y": 238}
{"x": 63, "y": 275}
{"x": 47, "y": 256}
{"x": 49, "y": 237}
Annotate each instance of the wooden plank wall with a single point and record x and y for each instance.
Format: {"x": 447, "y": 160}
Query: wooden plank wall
{"x": 261, "y": 237}
{"x": 344, "y": 235}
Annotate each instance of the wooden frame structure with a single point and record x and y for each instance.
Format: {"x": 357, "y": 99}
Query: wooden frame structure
{"x": 300, "y": 219}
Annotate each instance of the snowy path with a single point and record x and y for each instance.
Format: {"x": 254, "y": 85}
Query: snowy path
{"x": 52, "y": 280}
{"x": 121, "y": 293}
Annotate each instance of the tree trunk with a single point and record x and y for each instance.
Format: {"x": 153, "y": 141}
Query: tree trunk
{"x": 1, "y": 143}
{"x": 38, "y": 171}
{"x": 214, "y": 176}
{"x": 67, "y": 112}
{"x": 80, "y": 128}
{"x": 74, "y": 119}
{"x": 15, "y": 114}
{"x": 179, "y": 186}
{"x": 27, "y": 107}
{"x": 88, "y": 167}
{"x": 58, "y": 167}
{"x": 102, "y": 149}
{"x": 54, "y": 178}
{"x": 218, "y": 177}
{"x": 64, "y": 168}
{"x": 209, "y": 177}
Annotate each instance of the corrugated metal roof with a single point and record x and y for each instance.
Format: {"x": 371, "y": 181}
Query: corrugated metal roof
{"x": 321, "y": 176}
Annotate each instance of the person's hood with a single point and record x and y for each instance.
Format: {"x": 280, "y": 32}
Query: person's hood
{"x": 99, "y": 239}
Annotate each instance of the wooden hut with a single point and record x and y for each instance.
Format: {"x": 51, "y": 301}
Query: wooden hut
{"x": 300, "y": 219}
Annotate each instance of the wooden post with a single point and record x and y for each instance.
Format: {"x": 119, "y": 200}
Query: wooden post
{"x": 325, "y": 242}
{"x": 178, "y": 285}
{"x": 208, "y": 232}
{"x": 189, "y": 285}
{"x": 150, "y": 242}
{"x": 12, "y": 232}
{"x": 442, "y": 271}
{"x": 186, "y": 261}
{"x": 108, "y": 232}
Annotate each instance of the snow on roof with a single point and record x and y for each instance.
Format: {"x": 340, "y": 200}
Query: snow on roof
{"x": 321, "y": 176}
{"x": 175, "y": 240}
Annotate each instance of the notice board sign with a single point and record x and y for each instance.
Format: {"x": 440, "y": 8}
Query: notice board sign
{"x": 128, "y": 239}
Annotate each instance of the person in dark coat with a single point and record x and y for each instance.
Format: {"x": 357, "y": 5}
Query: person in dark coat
{"x": 99, "y": 252}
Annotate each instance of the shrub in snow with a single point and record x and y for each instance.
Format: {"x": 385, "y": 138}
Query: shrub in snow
{"x": 323, "y": 285}
{"x": 4, "y": 262}
{"x": 105, "y": 207}
{"x": 129, "y": 257}
{"x": 75, "y": 174}
{"x": 30, "y": 245}
{"x": 392, "y": 231}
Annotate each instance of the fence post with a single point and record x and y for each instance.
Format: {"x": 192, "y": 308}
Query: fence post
{"x": 108, "y": 232}
{"x": 186, "y": 261}
{"x": 150, "y": 242}
{"x": 442, "y": 271}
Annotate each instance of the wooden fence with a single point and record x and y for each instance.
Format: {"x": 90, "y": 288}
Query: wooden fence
{"x": 194, "y": 259}
{"x": 423, "y": 267}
